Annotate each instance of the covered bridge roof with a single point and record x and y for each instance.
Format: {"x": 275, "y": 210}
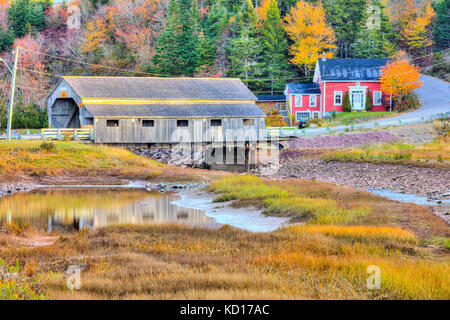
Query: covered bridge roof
{"x": 351, "y": 69}
{"x": 160, "y": 88}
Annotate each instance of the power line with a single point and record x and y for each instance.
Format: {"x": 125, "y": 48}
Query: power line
{"x": 93, "y": 65}
{"x": 334, "y": 85}
{"x": 244, "y": 80}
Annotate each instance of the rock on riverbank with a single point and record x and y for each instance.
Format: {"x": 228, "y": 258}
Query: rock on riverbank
{"x": 176, "y": 157}
{"x": 10, "y": 188}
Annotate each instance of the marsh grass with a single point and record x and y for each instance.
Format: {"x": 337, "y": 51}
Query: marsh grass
{"x": 34, "y": 158}
{"x": 181, "y": 262}
{"x": 316, "y": 206}
{"x": 431, "y": 154}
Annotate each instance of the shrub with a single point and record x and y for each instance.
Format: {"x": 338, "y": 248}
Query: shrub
{"x": 442, "y": 127}
{"x": 408, "y": 102}
{"x": 346, "y": 107}
{"x": 316, "y": 121}
{"x": 47, "y": 147}
{"x": 28, "y": 117}
{"x": 369, "y": 103}
{"x": 447, "y": 243}
{"x": 275, "y": 121}
{"x": 333, "y": 114}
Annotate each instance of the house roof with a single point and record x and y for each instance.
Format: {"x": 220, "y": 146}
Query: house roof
{"x": 303, "y": 88}
{"x": 175, "y": 110}
{"x": 271, "y": 97}
{"x": 351, "y": 69}
{"x": 160, "y": 88}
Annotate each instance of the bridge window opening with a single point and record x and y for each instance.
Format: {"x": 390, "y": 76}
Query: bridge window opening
{"x": 112, "y": 123}
{"x": 148, "y": 123}
{"x": 216, "y": 123}
{"x": 182, "y": 123}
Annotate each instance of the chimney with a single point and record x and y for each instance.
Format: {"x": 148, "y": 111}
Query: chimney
{"x": 323, "y": 57}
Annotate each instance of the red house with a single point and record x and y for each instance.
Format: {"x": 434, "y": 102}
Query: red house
{"x": 332, "y": 79}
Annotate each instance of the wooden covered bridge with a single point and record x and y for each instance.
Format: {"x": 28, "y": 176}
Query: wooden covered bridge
{"x": 151, "y": 111}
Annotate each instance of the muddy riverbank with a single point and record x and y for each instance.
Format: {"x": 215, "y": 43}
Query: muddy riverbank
{"x": 433, "y": 183}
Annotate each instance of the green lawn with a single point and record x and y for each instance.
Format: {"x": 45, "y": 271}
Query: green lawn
{"x": 357, "y": 117}
{"x": 22, "y": 131}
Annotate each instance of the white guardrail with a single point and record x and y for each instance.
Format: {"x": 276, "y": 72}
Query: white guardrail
{"x": 54, "y": 134}
{"x": 292, "y": 132}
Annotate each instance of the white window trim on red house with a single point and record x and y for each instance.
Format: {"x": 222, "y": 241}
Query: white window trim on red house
{"x": 297, "y": 104}
{"x": 374, "y": 100}
{"x": 336, "y": 93}
{"x": 313, "y": 98}
{"x": 304, "y": 112}
{"x": 352, "y": 89}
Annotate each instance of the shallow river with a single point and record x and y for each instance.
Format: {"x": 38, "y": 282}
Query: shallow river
{"x": 51, "y": 209}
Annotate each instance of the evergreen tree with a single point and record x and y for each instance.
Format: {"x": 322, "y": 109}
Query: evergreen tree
{"x": 369, "y": 44}
{"x": 347, "y": 18}
{"x": 376, "y": 43}
{"x": 213, "y": 26}
{"x": 369, "y": 102}
{"x": 274, "y": 49}
{"x": 6, "y": 40}
{"x": 177, "y": 48}
{"x": 244, "y": 50}
{"x": 442, "y": 25}
{"x": 346, "y": 106}
{"x": 26, "y": 16}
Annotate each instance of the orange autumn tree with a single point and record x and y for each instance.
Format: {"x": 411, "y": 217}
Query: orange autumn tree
{"x": 306, "y": 26}
{"x": 398, "y": 80}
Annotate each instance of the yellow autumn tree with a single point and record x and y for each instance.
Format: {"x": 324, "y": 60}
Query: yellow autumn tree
{"x": 417, "y": 34}
{"x": 261, "y": 10}
{"x": 94, "y": 36}
{"x": 399, "y": 79}
{"x": 306, "y": 26}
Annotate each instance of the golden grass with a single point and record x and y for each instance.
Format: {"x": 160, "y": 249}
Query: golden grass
{"x": 359, "y": 233}
{"x": 34, "y": 158}
{"x": 60, "y": 162}
{"x": 180, "y": 262}
{"x": 281, "y": 200}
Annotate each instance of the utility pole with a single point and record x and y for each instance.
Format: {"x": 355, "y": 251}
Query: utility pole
{"x": 390, "y": 102}
{"x": 11, "y": 95}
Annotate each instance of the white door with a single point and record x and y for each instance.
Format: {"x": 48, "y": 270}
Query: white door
{"x": 357, "y": 100}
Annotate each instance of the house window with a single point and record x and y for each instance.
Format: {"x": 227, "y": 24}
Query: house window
{"x": 298, "y": 100}
{"x": 112, "y": 123}
{"x": 377, "y": 98}
{"x": 216, "y": 123}
{"x": 249, "y": 122}
{"x": 300, "y": 114}
{"x": 182, "y": 123}
{"x": 281, "y": 106}
{"x": 148, "y": 123}
{"x": 338, "y": 98}
{"x": 313, "y": 101}
{"x": 315, "y": 115}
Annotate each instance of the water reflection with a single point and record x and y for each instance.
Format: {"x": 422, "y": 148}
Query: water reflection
{"x": 75, "y": 209}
